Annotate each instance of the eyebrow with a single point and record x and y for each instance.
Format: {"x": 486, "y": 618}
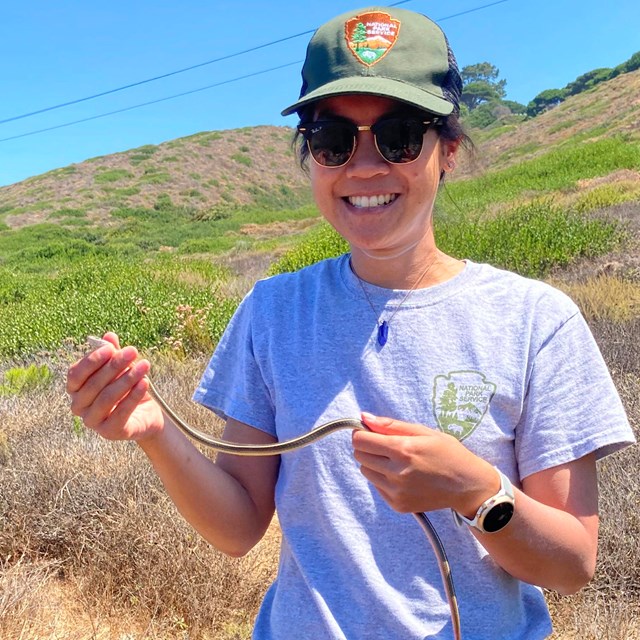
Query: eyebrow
{"x": 328, "y": 114}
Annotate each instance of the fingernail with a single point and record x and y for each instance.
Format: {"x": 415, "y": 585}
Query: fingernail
{"x": 129, "y": 354}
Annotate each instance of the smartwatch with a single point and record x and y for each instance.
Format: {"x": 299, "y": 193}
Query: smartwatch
{"x": 495, "y": 513}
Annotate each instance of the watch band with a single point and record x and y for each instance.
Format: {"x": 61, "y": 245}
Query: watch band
{"x": 496, "y": 512}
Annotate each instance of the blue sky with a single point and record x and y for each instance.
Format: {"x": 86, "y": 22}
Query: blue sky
{"x": 54, "y": 52}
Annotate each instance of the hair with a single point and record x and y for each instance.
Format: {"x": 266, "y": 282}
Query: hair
{"x": 449, "y": 128}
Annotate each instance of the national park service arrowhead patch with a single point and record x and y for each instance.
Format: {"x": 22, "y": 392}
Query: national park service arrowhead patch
{"x": 371, "y": 35}
{"x": 460, "y": 401}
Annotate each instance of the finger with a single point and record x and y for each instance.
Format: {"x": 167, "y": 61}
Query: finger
{"x": 82, "y": 370}
{"x": 377, "y": 479}
{"x": 379, "y": 464}
{"x": 385, "y": 488}
{"x": 389, "y": 426}
{"x": 113, "y": 393}
{"x": 112, "y": 338}
{"x": 118, "y": 361}
{"x": 112, "y": 427}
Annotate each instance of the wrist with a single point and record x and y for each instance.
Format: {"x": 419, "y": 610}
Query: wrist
{"x": 495, "y": 512}
{"x": 486, "y": 484}
{"x": 158, "y": 437}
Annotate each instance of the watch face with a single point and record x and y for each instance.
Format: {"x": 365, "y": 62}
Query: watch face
{"x": 498, "y": 517}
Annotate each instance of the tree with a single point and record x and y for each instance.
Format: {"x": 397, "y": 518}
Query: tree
{"x": 480, "y": 84}
{"x": 545, "y": 100}
{"x": 516, "y": 108}
{"x": 476, "y": 93}
{"x": 588, "y": 80}
{"x": 484, "y": 115}
{"x": 632, "y": 63}
{"x": 483, "y": 71}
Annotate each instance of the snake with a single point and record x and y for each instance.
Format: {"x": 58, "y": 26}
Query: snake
{"x": 277, "y": 448}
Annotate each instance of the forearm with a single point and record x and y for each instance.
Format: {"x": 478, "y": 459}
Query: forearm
{"x": 551, "y": 540}
{"x": 545, "y": 546}
{"x": 213, "y": 501}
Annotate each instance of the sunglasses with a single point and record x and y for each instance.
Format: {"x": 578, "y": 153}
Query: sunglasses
{"x": 332, "y": 143}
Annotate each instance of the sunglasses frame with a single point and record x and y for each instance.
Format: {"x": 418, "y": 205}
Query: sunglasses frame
{"x": 306, "y": 129}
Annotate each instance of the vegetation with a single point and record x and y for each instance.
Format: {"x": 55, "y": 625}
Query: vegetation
{"x": 530, "y": 238}
{"x": 90, "y": 545}
{"x": 550, "y": 98}
{"x": 163, "y": 302}
{"x": 23, "y": 379}
{"x": 484, "y": 100}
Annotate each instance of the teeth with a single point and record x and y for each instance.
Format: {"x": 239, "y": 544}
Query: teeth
{"x": 371, "y": 201}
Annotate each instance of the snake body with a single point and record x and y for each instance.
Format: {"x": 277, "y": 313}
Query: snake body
{"x": 238, "y": 449}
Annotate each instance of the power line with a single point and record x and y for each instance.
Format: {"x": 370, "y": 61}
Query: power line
{"x": 464, "y": 13}
{"x": 185, "y": 93}
{"x": 166, "y": 75}
{"x": 144, "y": 104}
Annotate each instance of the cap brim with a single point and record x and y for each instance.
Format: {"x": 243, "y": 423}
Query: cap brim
{"x": 376, "y": 86}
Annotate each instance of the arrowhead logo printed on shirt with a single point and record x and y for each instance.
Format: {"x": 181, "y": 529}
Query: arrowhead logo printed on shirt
{"x": 460, "y": 401}
{"x": 371, "y": 35}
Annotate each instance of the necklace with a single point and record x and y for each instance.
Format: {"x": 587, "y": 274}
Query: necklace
{"x": 383, "y": 327}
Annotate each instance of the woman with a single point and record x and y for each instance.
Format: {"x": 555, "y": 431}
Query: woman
{"x": 484, "y": 393}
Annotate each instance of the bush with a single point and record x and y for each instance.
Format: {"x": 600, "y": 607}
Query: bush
{"x": 529, "y": 240}
{"x": 147, "y": 304}
{"x": 113, "y": 175}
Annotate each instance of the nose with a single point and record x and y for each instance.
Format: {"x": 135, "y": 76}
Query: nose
{"x": 366, "y": 160}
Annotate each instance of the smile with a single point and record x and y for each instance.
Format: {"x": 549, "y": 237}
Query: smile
{"x": 371, "y": 201}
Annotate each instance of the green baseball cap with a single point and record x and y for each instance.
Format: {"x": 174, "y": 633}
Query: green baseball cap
{"x": 379, "y": 51}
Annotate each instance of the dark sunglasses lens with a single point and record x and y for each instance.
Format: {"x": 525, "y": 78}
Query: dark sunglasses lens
{"x": 400, "y": 140}
{"x": 331, "y": 143}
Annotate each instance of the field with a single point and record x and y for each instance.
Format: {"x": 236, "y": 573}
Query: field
{"x": 90, "y": 546}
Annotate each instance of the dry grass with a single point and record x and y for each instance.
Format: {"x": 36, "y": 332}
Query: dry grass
{"x": 90, "y": 542}
{"x": 91, "y": 548}
{"x": 605, "y": 297}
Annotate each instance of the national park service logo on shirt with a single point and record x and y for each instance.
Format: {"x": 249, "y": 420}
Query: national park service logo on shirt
{"x": 371, "y": 35}
{"x": 460, "y": 401}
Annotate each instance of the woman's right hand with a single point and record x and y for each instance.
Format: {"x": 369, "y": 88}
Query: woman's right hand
{"x": 108, "y": 391}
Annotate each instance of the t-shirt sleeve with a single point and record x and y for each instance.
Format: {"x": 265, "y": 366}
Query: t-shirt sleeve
{"x": 233, "y": 385}
{"x": 571, "y": 407}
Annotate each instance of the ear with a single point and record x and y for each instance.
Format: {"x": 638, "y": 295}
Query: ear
{"x": 448, "y": 151}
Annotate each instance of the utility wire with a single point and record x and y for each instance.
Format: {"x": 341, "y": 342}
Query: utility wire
{"x": 168, "y": 75}
{"x": 464, "y": 13}
{"x": 144, "y": 104}
{"x": 186, "y": 93}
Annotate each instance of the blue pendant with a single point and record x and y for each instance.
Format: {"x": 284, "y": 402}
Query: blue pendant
{"x": 383, "y": 333}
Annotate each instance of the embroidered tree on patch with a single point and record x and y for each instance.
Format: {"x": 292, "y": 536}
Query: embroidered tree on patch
{"x": 359, "y": 36}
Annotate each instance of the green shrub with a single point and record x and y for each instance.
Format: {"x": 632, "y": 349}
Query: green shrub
{"x": 607, "y": 195}
{"x": 560, "y": 169}
{"x": 112, "y": 175}
{"x": 529, "y": 240}
{"x": 24, "y": 379}
{"x": 242, "y": 159}
{"x": 155, "y": 177}
{"x": 320, "y": 243}
{"x": 144, "y": 302}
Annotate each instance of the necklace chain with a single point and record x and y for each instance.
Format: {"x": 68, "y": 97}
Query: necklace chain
{"x": 383, "y": 327}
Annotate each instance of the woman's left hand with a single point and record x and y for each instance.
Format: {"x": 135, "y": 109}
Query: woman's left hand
{"x": 416, "y": 468}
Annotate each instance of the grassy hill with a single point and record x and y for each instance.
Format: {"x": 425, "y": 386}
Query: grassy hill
{"x": 611, "y": 109}
{"x": 206, "y": 173}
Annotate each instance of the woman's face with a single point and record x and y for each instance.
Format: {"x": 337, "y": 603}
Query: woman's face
{"x": 381, "y": 209}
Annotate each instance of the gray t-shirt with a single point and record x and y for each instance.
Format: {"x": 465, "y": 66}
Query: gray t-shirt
{"x": 505, "y": 364}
